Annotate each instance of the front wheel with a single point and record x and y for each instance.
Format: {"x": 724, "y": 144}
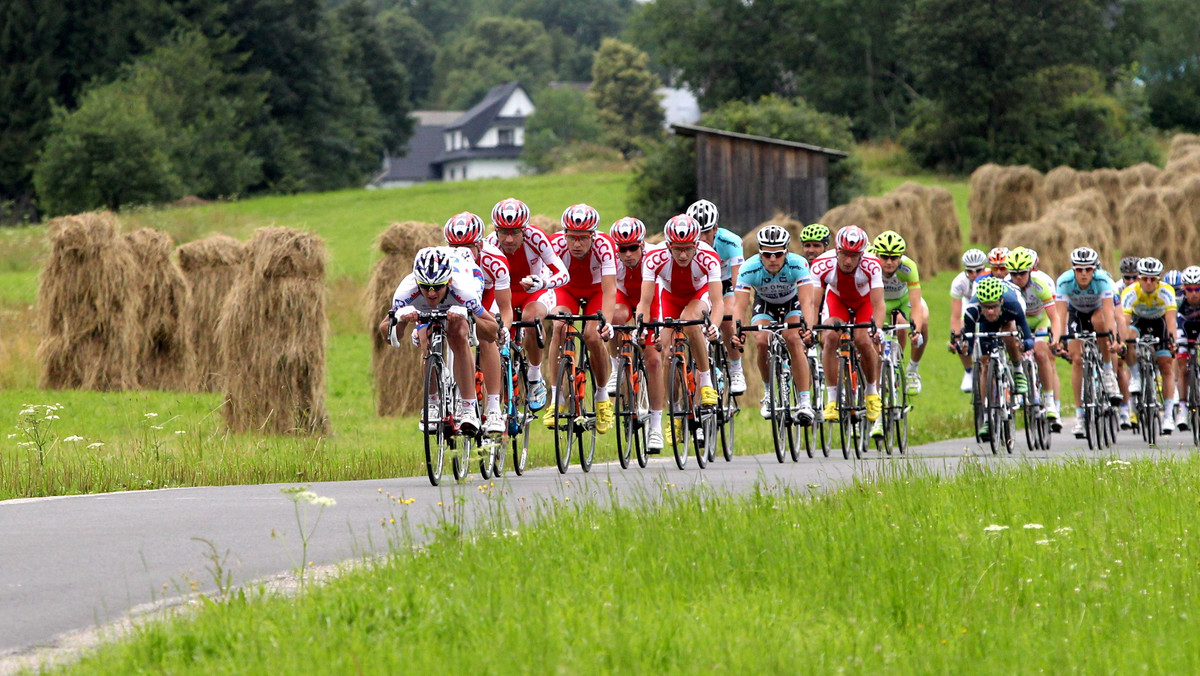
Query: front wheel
{"x": 680, "y": 411}
{"x": 564, "y": 413}
{"x": 887, "y": 392}
{"x": 519, "y": 419}
{"x": 626, "y": 413}
{"x": 778, "y": 419}
{"x": 434, "y": 429}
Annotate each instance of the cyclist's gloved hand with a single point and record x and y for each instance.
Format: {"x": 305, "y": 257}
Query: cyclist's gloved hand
{"x": 606, "y": 332}
{"x": 416, "y": 338}
{"x": 711, "y": 332}
{"x": 917, "y": 339}
{"x": 393, "y": 339}
{"x": 536, "y": 283}
{"x": 406, "y": 314}
{"x": 458, "y": 310}
{"x": 1027, "y": 344}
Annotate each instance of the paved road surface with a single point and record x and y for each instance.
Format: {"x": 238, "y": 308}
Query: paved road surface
{"x": 72, "y": 563}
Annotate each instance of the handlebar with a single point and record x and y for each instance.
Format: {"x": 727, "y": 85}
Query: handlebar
{"x": 599, "y": 316}
{"x": 845, "y": 327}
{"x": 539, "y": 330}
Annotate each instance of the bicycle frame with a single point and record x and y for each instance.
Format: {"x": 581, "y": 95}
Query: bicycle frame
{"x": 679, "y": 360}
{"x": 852, "y": 407}
{"x": 579, "y": 419}
{"x": 993, "y": 404}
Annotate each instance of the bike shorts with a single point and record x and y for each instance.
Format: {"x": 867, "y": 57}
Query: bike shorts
{"x": 1190, "y": 331}
{"x": 521, "y": 300}
{"x": 632, "y": 304}
{"x": 775, "y": 312}
{"x": 837, "y": 308}
{"x": 577, "y": 300}
{"x": 671, "y": 306}
{"x": 726, "y": 288}
{"x": 1078, "y": 321}
{"x": 904, "y": 308}
{"x": 1154, "y": 326}
{"x": 1039, "y": 322}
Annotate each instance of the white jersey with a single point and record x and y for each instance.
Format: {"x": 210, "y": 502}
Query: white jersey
{"x": 586, "y": 273}
{"x": 824, "y": 273}
{"x": 466, "y": 286}
{"x": 962, "y": 288}
{"x": 682, "y": 281}
{"x": 536, "y": 257}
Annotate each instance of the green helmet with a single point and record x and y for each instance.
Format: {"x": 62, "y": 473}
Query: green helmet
{"x": 889, "y": 243}
{"x": 815, "y": 232}
{"x": 1019, "y": 260}
{"x": 989, "y": 290}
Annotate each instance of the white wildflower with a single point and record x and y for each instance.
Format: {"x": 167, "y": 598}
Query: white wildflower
{"x": 995, "y": 528}
{"x": 322, "y": 501}
{"x": 1063, "y": 530}
{"x": 96, "y": 444}
{"x": 1033, "y": 526}
{"x": 74, "y": 437}
{"x": 151, "y": 415}
{"x": 180, "y": 431}
{"x": 1043, "y": 542}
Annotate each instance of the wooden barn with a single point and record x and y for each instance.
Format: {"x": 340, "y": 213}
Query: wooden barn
{"x": 750, "y": 178}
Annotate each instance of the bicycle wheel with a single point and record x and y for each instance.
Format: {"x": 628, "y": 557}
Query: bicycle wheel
{"x": 861, "y": 428}
{"x": 564, "y": 413}
{"x": 978, "y": 405}
{"x": 519, "y": 418}
{"x": 900, "y": 422}
{"x": 1193, "y": 404}
{"x": 624, "y": 406}
{"x": 1008, "y": 414}
{"x": 778, "y": 420}
{"x": 584, "y": 422}
{"x": 680, "y": 409}
{"x": 460, "y": 460}
{"x": 845, "y": 399}
{"x": 705, "y": 435}
{"x": 718, "y": 368}
{"x": 435, "y": 442}
{"x": 726, "y": 403}
{"x": 1029, "y": 411}
{"x": 887, "y": 393}
{"x": 792, "y": 400}
{"x": 1150, "y": 405}
{"x": 642, "y": 411}
{"x": 822, "y": 430}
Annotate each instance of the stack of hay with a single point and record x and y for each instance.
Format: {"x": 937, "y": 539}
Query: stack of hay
{"x": 165, "y": 357}
{"x": 210, "y": 266}
{"x": 923, "y": 215}
{"x": 398, "y": 372}
{"x": 550, "y": 225}
{"x": 1003, "y": 196}
{"x": 1079, "y": 220}
{"x": 1162, "y": 218}
{"x": 1063, "y": 182}
{"x": 88, "y": 306}
{"x": 273, "y": 327}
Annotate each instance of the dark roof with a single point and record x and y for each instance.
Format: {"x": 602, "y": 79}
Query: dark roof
{"x": 475, "y": 122}
{"x": 425, "y": 145}
{"x": 692, "y": 130}
{"x": 499, "y": 152}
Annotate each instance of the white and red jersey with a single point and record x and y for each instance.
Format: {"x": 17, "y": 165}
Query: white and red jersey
{"x": 682, "y": 280}
{"x": 824, "y": 273}
{"x": 535, "y": 257}
{"x": 494, "y": 265}
{"x": 629, "y": 280}
{"x": 585, "y": 273}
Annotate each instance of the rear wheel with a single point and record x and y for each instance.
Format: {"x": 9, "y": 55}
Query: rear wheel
{"x": 519, "y": 417}
{"x": 887, "y": 393}
{"x": 435, "y": 441}
{"x": 726, "y": 416}
{"x": 1193, "y": 404}
{"x": 778, "y": 420}
{"x": 822, "y": 431}
{"x": 642, "y": 409}
{"x": 460, "y": 460}
{"x": 624, "y": 406}
{"x": 979, "y": 407}
{"x": 584, "y": 422}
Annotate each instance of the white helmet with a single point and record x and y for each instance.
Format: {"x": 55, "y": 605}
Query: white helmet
{"x": 974, "y": 258}
{"x": 1084, "y": 257}
{"x": 1191, "y": 275}
{"x": 1150, "y": 267}
{"x": 705, "y": 213}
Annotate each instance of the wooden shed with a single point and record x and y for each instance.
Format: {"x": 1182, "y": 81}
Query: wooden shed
{"x": 750, "y": 178}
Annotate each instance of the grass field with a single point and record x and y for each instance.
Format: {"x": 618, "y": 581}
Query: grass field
{"x": 1085, "y": 567}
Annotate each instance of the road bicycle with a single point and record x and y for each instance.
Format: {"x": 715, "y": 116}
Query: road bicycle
{"x": 1148, "y": 402}
{"x": 727, "y": 403}
{"x": 575, "y": 413}
{"x": 514, "y": 369}
{"x": 852, "y": 399}
{"x": 993, "y": 401}
{"x": 631, "y": 405}
{"x": 821, "y": 431}
{"x": 1192, "y": 400}
{"x": 893, "y": 391}
{"x": 1099, "y": 416}
{"x": 686, "y": 418}
{"x": 1033, "y": 409}
{"x": 782, "y": 400}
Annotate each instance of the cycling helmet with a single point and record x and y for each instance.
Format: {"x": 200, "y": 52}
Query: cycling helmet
{"x": 1150, "y": 267}
{"x": 852, "y": 238}
{"x": 1129, "y": 266}
{"x": 580, "y": 218}
{"x": 1019, "y": 260}
{"x": 510, "y": 213}
{"x": 989, "y": 290}
{"x": 682, "y": 229}
{"x": 1191, "y": 275}
{"x": 815, "y": 232}
{"x": 1085, "y": 257}
{"x": 890, "y": 243}
{"x": 462, "y": 229}
{"x": 1034, "y": 255}
{"x": 998, "y": 256}
{"x": 974, "y": 258}
{"x": 705, "y": 213}
{"x": 628, "y": 230}
{"x": 432, "y": 266}
{"x": 773, "y": 236}
{"x": 1173, "y": 278}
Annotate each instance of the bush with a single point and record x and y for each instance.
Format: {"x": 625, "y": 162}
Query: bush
{"x": 561, "y": 117}
{"x": 664, "y": 182}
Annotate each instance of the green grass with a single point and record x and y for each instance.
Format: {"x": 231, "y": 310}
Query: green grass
{"x": 1088, "y": 566}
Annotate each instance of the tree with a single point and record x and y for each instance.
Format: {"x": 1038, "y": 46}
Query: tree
{"x": 414, "y": 47}
{"x": 664, "y": 182}
{"x": 496, "y": 50}
{"x": 109, "y": 152}
{"x": 368, "y": 58}
{"x": 561, "y": 117}
{"x": 623, "y": 90}
{"x": 1171, "y": 64}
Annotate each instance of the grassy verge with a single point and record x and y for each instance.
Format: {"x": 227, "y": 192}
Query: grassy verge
{"x": 1086, "y": 566}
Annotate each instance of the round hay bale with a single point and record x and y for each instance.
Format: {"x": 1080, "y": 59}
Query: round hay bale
{"x": 1079, "y": 220}
{"x": 1138, "y": 175}
{"x": 656, "y": 238}
{"x": 209, "y": 267}
{"x": 1061, "y": 182}
{"x": 88, "y": 306}
{"x": 398, "y": 374}
{"x": 1108, "y": 181}
{"x": 1182, "y": 144}
{"x": 1181, "y": 167}
{"x": 981, "y": 201}
{"x": 1146, "y": 225}
{"x": 1048, "y": 241}
{"x": 166, "y": 360}
{"x": 273, "y": 327}
{"x": 938, "y": 244}
{"x": 1019, "y": 197}
{"x": 836, "y": 217}
{"x": 1182, "y": 252}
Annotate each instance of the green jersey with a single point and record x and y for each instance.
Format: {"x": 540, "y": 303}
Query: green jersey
{"x": 896, "y": 287}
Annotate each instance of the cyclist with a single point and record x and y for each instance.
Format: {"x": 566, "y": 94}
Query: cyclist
{"x": 592, "y": 286}
{"x": 1128, "y": 270}
{"x": 998, "y": 259}
{"x": 852, "y": 282}
{"x": 687, "y": 273}
{"x": 729, "y": 249}
{"x": 997, "y": 307}
{"x": 778, "y": 279}
{"x": 1083, "y": 296}
{"x": 1149, "y": 307}
{"x": 902, "y": 293}
{"x": 465, "y": 230}
{"x": 629, "y": 234}
{"x": 814, "y": 241}
{"x": 1187, "y": 317}
{"x": 1129, "y": 274}
{"x": 445, "y": 278}
{"x": 962, "y": 288}
{"x": 537, "y": 270}
{"x": 1040, "y": 310}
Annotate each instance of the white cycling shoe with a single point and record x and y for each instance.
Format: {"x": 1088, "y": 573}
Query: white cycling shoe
{"x": 654, "y": 441}
{"x": 612, "y": 384}
{"x": 966, "y": 383}
{"x": 493, "y": 423}
{"x": 737, "y": 382}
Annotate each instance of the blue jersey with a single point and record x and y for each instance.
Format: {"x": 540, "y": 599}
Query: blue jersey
{"x": 1084, "y": 299}
{"x": 773, "y": 288}
{"x": 1011, "y": 310}
{"x": 729, "y": 250}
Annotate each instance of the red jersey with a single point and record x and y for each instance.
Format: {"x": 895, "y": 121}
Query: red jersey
{"x": 850, "y": 288}
{"x": 585, "y": 273}
{"x": 682, "y": 280}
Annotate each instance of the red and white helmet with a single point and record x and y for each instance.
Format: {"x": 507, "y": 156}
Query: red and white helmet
{"x": 510, "y": 213}
{"x": 998, "y": 257}
{"x": 628, "y": 230}
{"x": 580, "y": 218}
{"x": 463, "y": 229}
{"x": 852, "y": 239}
{"x": 682, "y": 229}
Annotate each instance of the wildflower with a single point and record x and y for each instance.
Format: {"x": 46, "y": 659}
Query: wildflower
{"x": 11, "y": 436}
{"x": 1033, "y": 526}
{"x": 96, "y": 444}
{"x": 995, "y": 528}
{"x": 74, "y": 437}
{"x": 150, "y": 415}
{"x": 322, "y": 501}
{"x": 52, "y": 417}
{"x": 1043, "y": 542}
{"x": 1063, "y": 530}
{"x": 180, "y": 431}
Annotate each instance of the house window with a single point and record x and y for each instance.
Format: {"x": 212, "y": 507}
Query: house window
{"x": 506, "y": 137}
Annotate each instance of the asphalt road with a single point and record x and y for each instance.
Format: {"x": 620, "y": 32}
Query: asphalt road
{"x": 71, "y": 564}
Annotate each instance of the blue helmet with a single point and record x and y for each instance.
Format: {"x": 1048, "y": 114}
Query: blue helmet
{"x": 1174, "y": 278}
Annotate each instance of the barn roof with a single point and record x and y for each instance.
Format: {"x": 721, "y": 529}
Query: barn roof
{"x": 693, "y": 130}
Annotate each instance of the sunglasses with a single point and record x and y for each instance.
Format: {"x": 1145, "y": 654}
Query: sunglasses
{"x": 1014, "y": 273}
{"x": 974, "y": 271}
{"x": 1148, "y": 278}
{"x": 628, "y": 248}
{"x": 889, "y": 258}
{"x": 1191, "y": 289}
{"x": 429, "y": 287}
{"x": 772, "y": 254}
{"x": 682, "y": 248}
{"x": 1089, "y": 269}
{"x": 1128, "y": 277}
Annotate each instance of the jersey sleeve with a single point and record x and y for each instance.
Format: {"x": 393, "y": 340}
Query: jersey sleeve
{"x": 1166, "y": 296}
{"x": 748, "y": 275}
{"x": 1062, "y": 288}
{"x": 406, "y": 293}
{"x": 555, "y": 274}
{"x": 874, "y": 271}
{"x": 911, "y": 275}
{"x": 497, "y": 267}
{"x": 607, "y": 253}
{"x": 712, "y": 267}
{"x": 734, "y": 252}
{"x": 1128, "y": 299}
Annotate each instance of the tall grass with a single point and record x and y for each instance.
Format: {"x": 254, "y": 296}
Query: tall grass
{"x": 1088, "y": 566}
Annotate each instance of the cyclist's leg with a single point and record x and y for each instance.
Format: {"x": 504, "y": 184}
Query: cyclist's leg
{"x": 535, "y": 310}
{"x": 836, "y": 312}
{"x": 761, "y": 316}
{"x": 921, "y": 315}
{"x": 795, "y": 345}
{"x": 695, "y": 334}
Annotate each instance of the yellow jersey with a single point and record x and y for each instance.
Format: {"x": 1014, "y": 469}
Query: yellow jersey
{"x": 1148, "y": 305}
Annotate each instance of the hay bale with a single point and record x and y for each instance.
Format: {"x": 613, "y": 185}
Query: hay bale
{"x": 166, "y": 360}
{"x": 1138, "y": 175}
{"x": 1182, "y": 252}
{"x": 550, "y": 225}
{"x": 88, "y": 306}
{"x": 981, "y": 199}
{"x": 209, "y": 266}
{"x": 1181, "y": 167}
{"x": 836, "y": 217}
{"x": 1006, "y": 195}
{"x": 1079, "y": 220}
{"x": 1182, "y": 144}
{"x": 1108, "y": 181}
{"x": 398, "y": 375}
{"x": 941, "y": 249}
{"x": 1061, "y": 182}
{"x": 273, "y": 327}
{"x": 1146, "y": 225}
